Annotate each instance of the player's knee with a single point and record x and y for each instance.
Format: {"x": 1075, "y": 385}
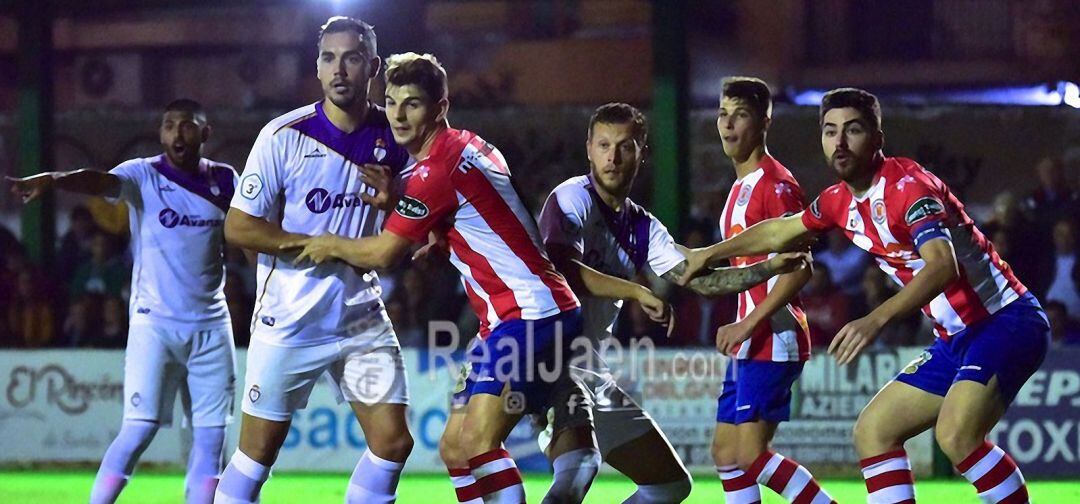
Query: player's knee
{"x": 451, "y": 454}
{"x": 395, "y": 447}
{"x": 475, "y": 441}
{"x": 866, "y": 436}
{"x": 955, "y": 442}
{"x": 746, "y": 457}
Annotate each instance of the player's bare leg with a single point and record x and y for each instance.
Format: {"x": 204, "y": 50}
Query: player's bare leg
{"x": 897, "y": 413}
{"x": 260, "y": 442}
{"x": 968, "y": 413}
{"x": 575, "y": 461}
{"x": 651, "y": 462}
{"x": 486, "y": 425}
{"x": 739, "y": 487}
{"x": 456, "y": 460}
{"x": 389, "y": 442}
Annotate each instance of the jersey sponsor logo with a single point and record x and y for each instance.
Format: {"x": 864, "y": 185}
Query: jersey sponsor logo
{"x": 166, "y": 188}
{"x": 411, "y": 208}
{"x": 319, "y": 200}
{"x": 251, "y": 186}
{"x": 744, "y": 195}
{"x": 877, "y": 211}
{"x": 315, "y": 153}
{"x": 170, "y": 219}
{"x": 814, "y": 209}
{"x": 269, "y": 321}
{"x": 142, "y": 310}
{"x": 923, "y": 208}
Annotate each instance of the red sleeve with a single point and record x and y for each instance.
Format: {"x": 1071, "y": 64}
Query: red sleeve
{"x": 786, "y": 199}
{"x": 821, "y": 215}
{"x": 919, "y": 205}
{"x": 427, "y": 200}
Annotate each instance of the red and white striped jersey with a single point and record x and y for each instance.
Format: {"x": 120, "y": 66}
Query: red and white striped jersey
{"x": 905, "y": 207}
{"x": 463, "y": 188}
{"x": 768, "y": 192}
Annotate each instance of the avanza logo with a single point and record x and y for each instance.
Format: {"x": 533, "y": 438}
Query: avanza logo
{"x": 170, "y": 219}
{"x": 319, "y": 200}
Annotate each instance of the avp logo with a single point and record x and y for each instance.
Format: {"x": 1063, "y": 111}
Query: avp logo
{"x": 169, "y": 218}
{"x": 319, "y": 200}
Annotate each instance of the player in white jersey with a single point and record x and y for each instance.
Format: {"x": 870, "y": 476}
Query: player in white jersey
{"x": 601, "y": 240}
{"x": 180, "y": 338}
{"x": 313, "y": 171}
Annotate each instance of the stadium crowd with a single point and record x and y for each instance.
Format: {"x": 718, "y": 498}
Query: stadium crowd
{"x": 81, "y": 300}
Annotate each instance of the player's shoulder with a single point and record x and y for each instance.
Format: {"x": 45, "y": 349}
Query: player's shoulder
{"x": 573, "y": 188}
{"x": 905, "y": 175}
{"x": 776, "y": 173}
{"x": 280, "y": 124}
{"x": 830, "y": 200}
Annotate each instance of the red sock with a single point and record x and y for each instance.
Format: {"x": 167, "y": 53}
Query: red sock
{"x": 888, "y": 478}
{"x": 995, "y": 475}
{"x": 497, "y": 477}
{"x": 787, "y": 478}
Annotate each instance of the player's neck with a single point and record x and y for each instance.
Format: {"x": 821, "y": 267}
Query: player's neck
{"x": 189, "y": 167}
{"x": 612, "y": 200}
{"x": 420, "y": 150}
{"x": 744, "y": 167}
{"x": 346, "y": 120}
{"x": 860, "y": 185}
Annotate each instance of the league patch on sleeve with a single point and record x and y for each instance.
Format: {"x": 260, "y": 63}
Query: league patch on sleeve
{"x": 411, "y": 208}
{"x": 815, "y": 210}
{"x": 251, "y": 186}
{"x": 923, "y": 208}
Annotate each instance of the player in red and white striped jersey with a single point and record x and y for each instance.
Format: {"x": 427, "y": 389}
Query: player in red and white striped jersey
{"x": 460, "y": 188}
{"x": 992, "y": 333}
{"x": 770, "y": 339}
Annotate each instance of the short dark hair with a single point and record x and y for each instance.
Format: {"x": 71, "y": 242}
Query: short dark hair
{"x": 621, "y": 113}
{"x": 422, "y": 70}
{"x": 338, "y": 24}
{"x": 187, "y": 105}
{"x": 866, "y": 103}
{"x": 752, "y": 90}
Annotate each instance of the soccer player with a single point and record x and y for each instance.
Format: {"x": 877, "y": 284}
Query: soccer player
{"x": 180, "y": 336}
{"x": 461, "y": 188}
{"x": 991, "y": 332}
{"x": 600, "y": 239}
{"x": 769, "y": 340}
{"x": 322, "y": 168}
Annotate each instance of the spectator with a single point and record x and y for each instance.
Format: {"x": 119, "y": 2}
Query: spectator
{"x": 1064, "y": 287}
{"x": 827, "y": 309}
{"x": 114, "y": 324}
{"x": 1055, "y": 198}
{"x": 1019, "y": 243}
{"x": 104, "y": 273}
{"x": 30, "y": 315}
{"x": 241, "y": 305}
{"x": 84, "y": 321}
{"x": 1064, "y": 330}
{"x": 845, "y": 263}
{"x": 907, "y": 331}
{"x": 76, "y": 243}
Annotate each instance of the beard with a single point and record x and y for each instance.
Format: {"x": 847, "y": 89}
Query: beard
{"x": 620, "y": 185}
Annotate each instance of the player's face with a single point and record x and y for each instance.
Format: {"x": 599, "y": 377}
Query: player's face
{"x": 182, "y": 135}
{"x": 614, "y": 156}
{"x": 741, "y": 128}
{"x": 849, "y": 142}
{"x": 344, "y": 69}
{"x": 412, "y": 114}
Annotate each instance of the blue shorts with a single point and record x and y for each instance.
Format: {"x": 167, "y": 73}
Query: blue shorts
{"x": 757, "y": 390}
{"x": 1010, "y": 344}
{"x": 531, "y": 369}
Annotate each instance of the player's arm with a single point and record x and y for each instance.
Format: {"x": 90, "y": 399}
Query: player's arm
{"x": 772, "y": 235}
{"x": 584, "y": 279}
{"x": 255, "y": 233}
{"x": 939, "y": 271}
{"x": 373, "y": 252}
{"x": 787, "y": 286}
{"x": 720, "y": 281}
{"x": 91, "y": 182}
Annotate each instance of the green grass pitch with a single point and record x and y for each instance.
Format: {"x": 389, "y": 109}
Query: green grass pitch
{"x": 165, "y": 487}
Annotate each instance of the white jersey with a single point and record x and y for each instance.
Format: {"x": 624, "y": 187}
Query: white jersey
{"x": 304, "y": 173}
{"x": 177, "y": 240}
{"x": 618, "y": 244}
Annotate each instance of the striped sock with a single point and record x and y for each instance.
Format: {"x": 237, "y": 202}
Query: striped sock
{"x": 465, "y": 486}
{"x": 497, "y": 477}
{"x": 888, "y": 478}
{"x": 787, "y": 478}
{"x": 995, "y": 475}
{"x": 739, "y": 488}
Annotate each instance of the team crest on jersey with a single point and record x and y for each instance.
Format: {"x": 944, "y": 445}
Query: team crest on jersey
{"x": 251, "y": 186}
{"x": 411, "y": 208}
{"x": 815, "y": 210}
{"x": 136, "y": 399}
{"x": 254, "y": 394}
{"x": 744, "y": 195}
{"x": 380, "y": 150}
{"x": 922, "y": 209}
{"x": 914, "y": 365}
{"x": 877, "y": 211}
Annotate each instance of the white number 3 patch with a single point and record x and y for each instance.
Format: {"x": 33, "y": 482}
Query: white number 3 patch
{"x": 251, "y": 186}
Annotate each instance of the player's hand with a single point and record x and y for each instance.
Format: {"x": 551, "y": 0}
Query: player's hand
{"x": 436, "y": 250}
{"x": 317, "y": 249}
{"x": 378, "y": 177}
{"x": 696, "y": 260}
{"x": 654, "y": 307}
{"x": 788, "y": 262}
{"x": 30, "y": 188}
{"x": 853, "y": 337}
{"x": 730, "y": 336}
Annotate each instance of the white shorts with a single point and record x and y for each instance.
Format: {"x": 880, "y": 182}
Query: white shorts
{"x": 200, "y": 363}
{"x": 367, "y": 368}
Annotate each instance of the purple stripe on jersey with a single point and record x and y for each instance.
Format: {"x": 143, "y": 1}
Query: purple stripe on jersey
{"x": 372, "y": 142}
{"x": 214, "y": 182}
{"x": 630, "y": 227}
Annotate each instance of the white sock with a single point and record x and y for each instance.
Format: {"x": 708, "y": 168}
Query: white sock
{"x": 664, "y": 493}
{"x": 574, "y": 473}
{"x": 204, "y": 464}
{"x": 373, "y": 480}
{"x": 739, "y": 488}
{"x": 241, "y": 481}
{"x": 464, "y": 486}
{"x": 120, "y": 459}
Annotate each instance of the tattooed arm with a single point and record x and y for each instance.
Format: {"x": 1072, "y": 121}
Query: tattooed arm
{"x": 728, "y": 280}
